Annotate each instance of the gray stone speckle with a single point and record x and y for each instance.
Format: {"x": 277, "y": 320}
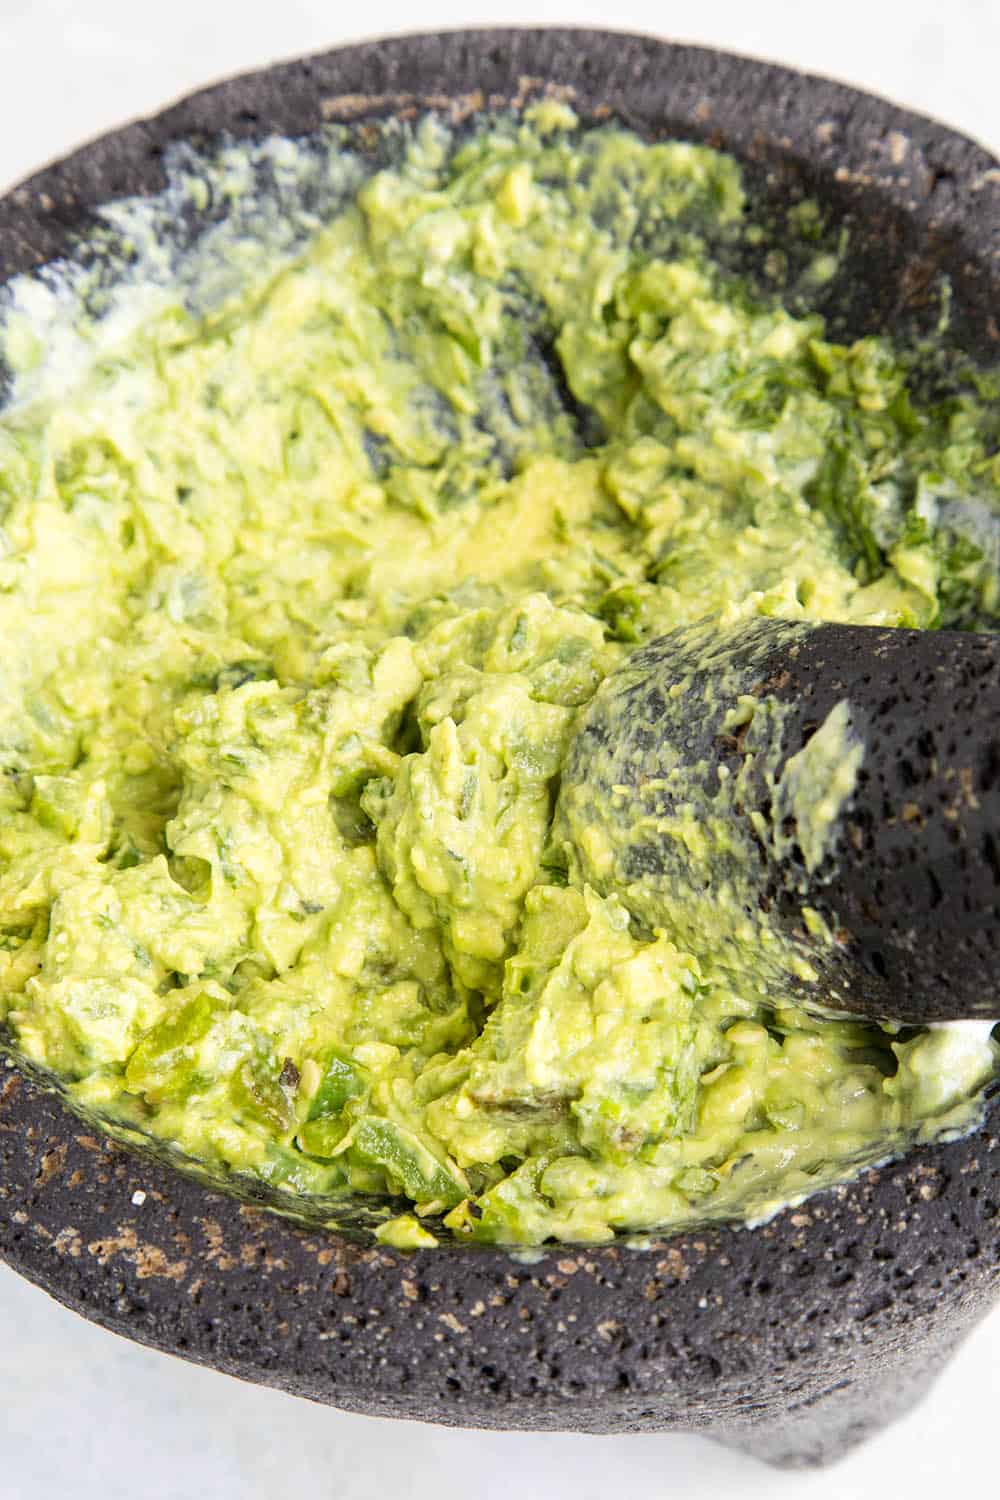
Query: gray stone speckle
{"x": 793, "y": 1341}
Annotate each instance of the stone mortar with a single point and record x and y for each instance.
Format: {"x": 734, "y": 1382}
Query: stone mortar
{"x": 794, "y": 1340}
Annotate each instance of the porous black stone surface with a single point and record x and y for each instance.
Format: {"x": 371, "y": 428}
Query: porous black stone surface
{"x": 794, "y": 1340}
{"x": 909, "y": 885}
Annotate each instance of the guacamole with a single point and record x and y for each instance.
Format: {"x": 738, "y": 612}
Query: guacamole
{"x": 305, "y": 579}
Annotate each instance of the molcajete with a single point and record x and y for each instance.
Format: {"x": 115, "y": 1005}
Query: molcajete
{"x": 792, "y": 1340}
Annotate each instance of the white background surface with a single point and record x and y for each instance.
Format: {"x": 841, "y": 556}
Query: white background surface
{"x": 86, "y": 1415}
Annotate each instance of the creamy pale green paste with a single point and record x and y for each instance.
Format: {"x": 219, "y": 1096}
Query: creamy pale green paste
{"x": 304, "y": 582}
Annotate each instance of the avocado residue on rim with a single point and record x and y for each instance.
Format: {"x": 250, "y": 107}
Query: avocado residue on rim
{"x": 304, "y": 582}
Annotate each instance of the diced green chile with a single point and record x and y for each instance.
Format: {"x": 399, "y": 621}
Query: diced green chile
{"x": 166, "y": 1060}
{"x": 409, "y": 1166}
{"x": 342, "y": 1080}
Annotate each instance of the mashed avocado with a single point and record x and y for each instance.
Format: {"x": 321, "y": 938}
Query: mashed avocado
{"x": 303, "y": 587}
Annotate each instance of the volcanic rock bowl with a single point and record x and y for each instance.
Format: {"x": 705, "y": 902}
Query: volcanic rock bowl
{"x": 793, "y": 1340}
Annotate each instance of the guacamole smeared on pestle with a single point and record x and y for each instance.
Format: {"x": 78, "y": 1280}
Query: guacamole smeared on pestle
{"x": 303, "y": 587}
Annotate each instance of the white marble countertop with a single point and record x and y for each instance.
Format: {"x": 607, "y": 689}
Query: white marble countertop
{"x": 89, "y": 1415}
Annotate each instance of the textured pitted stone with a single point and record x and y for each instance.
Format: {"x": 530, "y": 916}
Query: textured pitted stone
{"x": 794, "y": 1340}
{"x": 908, "y": 875}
